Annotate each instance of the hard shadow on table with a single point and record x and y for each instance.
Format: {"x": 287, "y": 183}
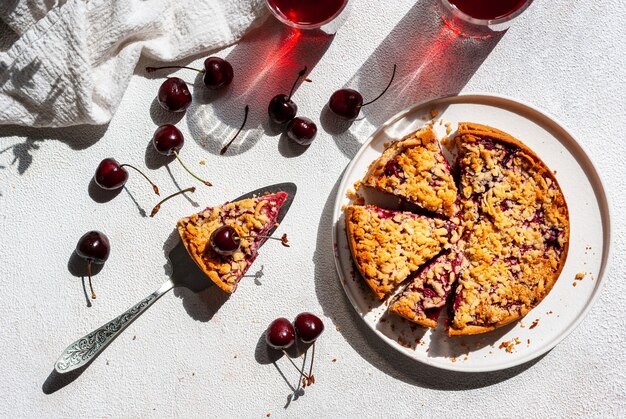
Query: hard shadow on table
{"x": 432, "y": 62}
{"x": 22, "y": 154}
{"x": 203, "y": 300}
{"x": 364, "y": 341}
{"x": 265, "y": 63}
{"x": 266, "y": 355}
{"x": 77, "y": 267}
{"x": 200, "y": 299}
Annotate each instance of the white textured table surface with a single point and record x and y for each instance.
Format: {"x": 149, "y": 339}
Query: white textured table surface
{"x": 199, "y": 355}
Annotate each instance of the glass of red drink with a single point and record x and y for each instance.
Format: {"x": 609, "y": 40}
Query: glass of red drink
{"x": 481, "y": 18}
{"x": 307, "y": 14}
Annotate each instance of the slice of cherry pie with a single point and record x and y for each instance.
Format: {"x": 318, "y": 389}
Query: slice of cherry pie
{"x": 415, "y": 169}
{"x": 387, "y": 246}
{"x": 424, "y": 298}
{"x": 515, "y": 230}
{"x": 251, "y": 218}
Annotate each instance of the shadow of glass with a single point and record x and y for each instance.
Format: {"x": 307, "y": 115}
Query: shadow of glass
{"x": 432, "y": 62}
{"x": 266, "y": 62}
{"x": 366, "y": 342}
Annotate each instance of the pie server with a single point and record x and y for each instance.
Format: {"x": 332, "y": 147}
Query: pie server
{"x": 185, "y": 274}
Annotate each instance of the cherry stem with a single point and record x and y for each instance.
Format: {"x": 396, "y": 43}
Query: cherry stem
{"x": 243, "y": 124}
{"x": 283, "y": 239}
{"x": 312, "y": 359}
{"x": 156, "y": 189}
{"x": 294, "y": 365}
{"x": 300, "y": 75}
{"x": 157, "y": 207}
{"x": 153, "y": 69}
{"x": 393, "y": 75}
{"x": 93, "y": 294}
{"x": 206, "y": 182}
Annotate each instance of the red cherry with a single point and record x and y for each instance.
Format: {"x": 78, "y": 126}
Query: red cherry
{"x": 302, "y": 130}
{"x": 308, "y": 327}
{"x": 347, "y": 103}
{"x": 174, "y": 95}
{"x": 280, "y": 334}
{"x": 94, "y": 247}
{"x": 225, "y": 240}
{"x": 110, "y": 174}
{"x": 168, "y": 139}
{"x": 218, "y": 73}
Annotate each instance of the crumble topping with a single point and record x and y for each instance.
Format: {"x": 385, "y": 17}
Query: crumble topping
{"x": 415, "y": 169}
{"x": 249, "y": 217}
{"x": 387, "y": 246}
{"x": 515, "y": 229}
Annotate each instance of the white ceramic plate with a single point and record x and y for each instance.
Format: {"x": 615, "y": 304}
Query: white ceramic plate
{"x": 566, "y": 305}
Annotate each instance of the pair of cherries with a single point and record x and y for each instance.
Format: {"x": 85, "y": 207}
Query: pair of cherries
{"x": 174, "y": 95}
{"x": 282, "y": 110}
{"x": 281, "y": 334}
{"x": 167, "y": 140}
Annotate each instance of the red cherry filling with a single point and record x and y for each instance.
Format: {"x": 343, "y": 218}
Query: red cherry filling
{"x": 392, "y": 168}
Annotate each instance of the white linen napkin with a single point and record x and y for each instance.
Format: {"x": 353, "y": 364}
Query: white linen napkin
{"x": 73, "y": 59}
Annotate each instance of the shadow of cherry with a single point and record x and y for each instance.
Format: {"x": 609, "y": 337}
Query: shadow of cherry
{"x": 265, "y": 62}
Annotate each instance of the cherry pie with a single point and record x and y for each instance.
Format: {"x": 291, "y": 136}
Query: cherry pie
{"x": 491, "y": 259}
{"x": 415, "y": 169}
{"x": 390, "y": 245}
{"x": 251, "y": 218}
{"x": 423, "y": 299}
{"x": 516, "y": 230}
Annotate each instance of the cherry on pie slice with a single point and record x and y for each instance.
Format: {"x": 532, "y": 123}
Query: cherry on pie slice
{"x": 387, "y": 246}
{"x": 415, "y": 169}
{"x": 515, "y": 230}
{"x": 251, "y": 218}
{"x": 424, "y": 298}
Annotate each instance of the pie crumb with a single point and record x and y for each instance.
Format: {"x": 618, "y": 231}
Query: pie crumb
{"x": 453, "y": 359}
{"x": 334, "y": 360}
{"x": 574, "y": 283}
{"x": 203, "y": 162}
{"x": 580, "y": 275}
{"x": 534, "y": 324}
{"x": 434, "y": 113}
{"x": 509, "y": 345}
{"x": 268, "y": 415}
{"x": 448, "y": 126}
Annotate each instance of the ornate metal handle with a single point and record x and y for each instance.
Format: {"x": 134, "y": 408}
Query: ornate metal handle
{"x": 85, "y": 349}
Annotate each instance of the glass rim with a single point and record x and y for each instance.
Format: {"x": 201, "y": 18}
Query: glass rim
{"x": 288, "y": 22}
{"x": 486, "y": 22}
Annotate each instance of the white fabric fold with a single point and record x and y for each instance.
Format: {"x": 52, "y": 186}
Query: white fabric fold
{"x": 73, "y": 59}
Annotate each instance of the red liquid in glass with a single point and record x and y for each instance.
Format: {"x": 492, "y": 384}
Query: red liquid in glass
{"x": 488, "y": 9}
{"x": 307, "y": 12}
